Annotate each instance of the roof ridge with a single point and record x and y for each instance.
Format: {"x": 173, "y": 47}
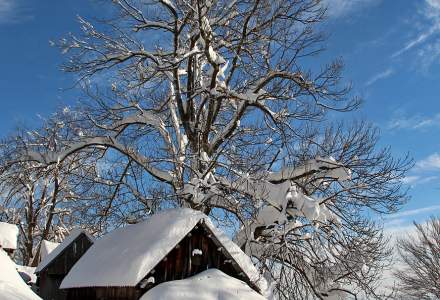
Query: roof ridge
{"x": 47, "y": 261}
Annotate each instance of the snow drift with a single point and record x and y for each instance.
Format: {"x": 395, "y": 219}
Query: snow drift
{"x": 12, "y": 287}
{"x": 211, "y": 284}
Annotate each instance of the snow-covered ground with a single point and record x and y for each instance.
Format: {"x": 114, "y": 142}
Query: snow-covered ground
{"x": 29, "y": 271}
{"x": 12, "y": 287}
{"x": 211, "y": 284}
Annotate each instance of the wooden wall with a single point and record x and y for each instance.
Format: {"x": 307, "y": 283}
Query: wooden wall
{"x": 50, "y": 278}
{"x": 180, "y": 263}
{"x": 49, "y": 287}
{"x": 104, "y": 293}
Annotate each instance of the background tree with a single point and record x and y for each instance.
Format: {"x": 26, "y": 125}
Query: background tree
{"x": 84, "y": 190}
{"x": 420, "y": 276}
{"x": 39, "y": 198}
{"x": 214, "y": 105}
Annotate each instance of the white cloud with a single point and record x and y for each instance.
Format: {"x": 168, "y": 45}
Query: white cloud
{"x": 431, "y": 163}
{"x": 425, "y": 171}
{"x": 420, "y": 38}
{"x": 397, "y": 228}
{"x": 12, "y": 11}
{"x": 382, "y": 75}
{"x": 417, "y": 179}
{"x": 7, "y": 8}
{"x": 424, "y": 40}
{"x": 410, "y": 179}
{"x": 401, "y": 224}
{"x": 433, "y": 9}
{"x": 415, "y": 122}
{"x": 338, "y": 8}
{"x": 411, "y": 212}
{"x": 429, "y": 55}
{"x": 394, "y": 231}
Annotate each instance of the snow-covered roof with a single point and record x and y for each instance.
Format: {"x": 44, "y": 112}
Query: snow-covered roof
{"x": 46, "y": 248}
{"x": 12, "y": 287}
{"x": 29, "y": 271}
{"x": 61, "y": 247}
{"x": 211, "y": 284}
{"x": 125, "y": 256}
{"x": 8, "y": 235}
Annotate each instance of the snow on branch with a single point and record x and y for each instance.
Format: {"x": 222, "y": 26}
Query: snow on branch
{"x": 170, "y": 6}
{"x": 277, "y": 197}
{"x": 296, "y": 77}
{"x": 56, "y": 157}
{"x": 145, "y": 117}
{"x": 329, "y": 166}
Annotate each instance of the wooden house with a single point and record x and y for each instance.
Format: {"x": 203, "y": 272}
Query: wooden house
{"x": 171, "y": 245}
{"x": 55, "y": 266}
{"x": 8, "y": 237}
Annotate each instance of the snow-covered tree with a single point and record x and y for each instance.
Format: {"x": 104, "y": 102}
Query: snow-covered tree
{"x": 218, "y": 106}
{"x": 41, "y": 198}
{"x": 420, "y": 255}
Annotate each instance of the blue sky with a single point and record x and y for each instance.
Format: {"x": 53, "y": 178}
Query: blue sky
{"x": 31, "y": 82}
{"x": 392, "y": 54}
{"x": 391, "y": 50}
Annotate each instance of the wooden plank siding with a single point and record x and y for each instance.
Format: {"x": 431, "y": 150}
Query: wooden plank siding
{"x": 50, "y": 278}
{"x": 49, "y": 287}
{"x": 178, "y": 264}
{"x": 104, "y": 293}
